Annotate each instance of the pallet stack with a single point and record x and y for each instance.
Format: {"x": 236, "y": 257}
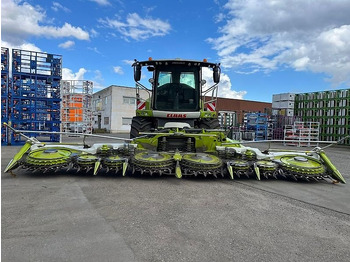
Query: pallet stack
{"x": 227, "y": 119}
{"x": 330, "y": 108}
{"x": 76, "y": 109}
{"x": 34, "y": 94}
{"x": 4, "y": 93}
{"x": 283, "y": 104}
{"x": 279, "y": 122}
{"x": 257, "y": 122}
{"x": 302, "y": 134}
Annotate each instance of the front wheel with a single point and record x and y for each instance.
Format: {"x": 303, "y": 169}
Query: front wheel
{"x": 140, "y": 124}
{"x": 209, "y": 123}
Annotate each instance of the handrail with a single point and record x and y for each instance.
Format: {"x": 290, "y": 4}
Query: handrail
{"x": 214, "y": 94}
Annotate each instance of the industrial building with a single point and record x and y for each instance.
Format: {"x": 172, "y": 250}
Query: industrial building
{"x": 114, "y": 107}
{"x": 241, "y": 107}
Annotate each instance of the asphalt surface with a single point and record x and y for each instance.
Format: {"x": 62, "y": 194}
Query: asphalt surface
{"x": 76, "y": 217}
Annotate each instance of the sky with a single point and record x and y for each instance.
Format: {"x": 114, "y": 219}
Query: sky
{"x": 264, "y": 47}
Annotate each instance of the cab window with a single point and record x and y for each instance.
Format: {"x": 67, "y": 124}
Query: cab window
{"x": 187, "y": 78}
{"x": 164, "y": 78}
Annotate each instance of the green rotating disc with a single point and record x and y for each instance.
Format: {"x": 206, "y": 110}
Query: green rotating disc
{"x": 48, "y": 156}
{"x": 201, "y": 161}
{"x": 152, "y": 159}
{"x": 239, "y": 164}
{"x": 113, "y": 161}
{"x": 302, "y": 165}
{"x": 87, "y": 159}
{"x": 266, "y": 165}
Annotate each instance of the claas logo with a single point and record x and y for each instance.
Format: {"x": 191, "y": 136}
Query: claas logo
{"x": 176, "y": 115}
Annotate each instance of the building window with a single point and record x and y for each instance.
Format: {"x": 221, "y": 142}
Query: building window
{"x": 106, "y": 121}
{"x": 126, "y": 120}
{"x": 98, "y": 104}
{"x": 129, "y": 100}
{"x": 106, "y": 100}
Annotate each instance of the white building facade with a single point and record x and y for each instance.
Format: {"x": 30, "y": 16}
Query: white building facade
{"x": 114, "y": 107}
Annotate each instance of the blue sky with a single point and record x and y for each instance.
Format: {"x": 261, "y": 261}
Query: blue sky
{"x": 264, "y": 47}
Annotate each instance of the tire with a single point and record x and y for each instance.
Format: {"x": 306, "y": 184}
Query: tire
{"x": 140, "y": 124}
{"x": 210, "y": 123}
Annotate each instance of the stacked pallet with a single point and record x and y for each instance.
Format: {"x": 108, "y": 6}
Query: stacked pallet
{"x": 76, "y": 109}
{"x": 34, "y": 95}
{"x": 258, "y": 123}
{"x": 302, "y": 134}
{"x": 4, "y": 93}
{"x": 283, "y": 104}
{"x": 330, "y": 108}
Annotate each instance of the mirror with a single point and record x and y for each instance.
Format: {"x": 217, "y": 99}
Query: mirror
{"x": 137, "y": 72}
{"x": 216, "y": 74}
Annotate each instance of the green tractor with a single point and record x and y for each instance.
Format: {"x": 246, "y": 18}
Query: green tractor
{"x": 175, "y": 132}
{"x": 177, "y": 98}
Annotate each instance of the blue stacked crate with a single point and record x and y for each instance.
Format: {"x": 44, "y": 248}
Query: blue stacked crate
{"x": 4, "y": 93}
{"x": 35, "y": 94}
{"x": 258, "y": 123}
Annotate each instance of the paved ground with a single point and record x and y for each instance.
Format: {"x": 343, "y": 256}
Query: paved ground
{"x": 60, "y": 217}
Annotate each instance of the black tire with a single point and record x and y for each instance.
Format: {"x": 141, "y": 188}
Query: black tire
{"x": 209, "y": 123}
{"x": 140, "y": 124}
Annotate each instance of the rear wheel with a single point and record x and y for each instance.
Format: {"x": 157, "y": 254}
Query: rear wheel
{"x": 140, "y": 124}
{"x": 209, "y": 123}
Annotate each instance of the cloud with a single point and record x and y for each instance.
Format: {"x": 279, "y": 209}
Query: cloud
{"x": 57, "y": 7}
{"x": 225, "y": 86}
{"x": 101, "y": 2}
{"x": 302, "y": 35}
{"x": 128, "y": 62}
{"x": 138, "y": 28}
{"x": 219, "y": 17}
{"x": 94, "y": 49}
{"x": 23, "y": 46}
{"x": 68, "y": 74}
{"x": 67, "y": 44}
{"x": 93, "y": 33}
{"x": 22, "y": 20}
{"x": 98, "y": 81}
{"x": 118, "y": 70}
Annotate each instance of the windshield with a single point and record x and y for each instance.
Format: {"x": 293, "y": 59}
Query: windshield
{"x": 177, "y": 89}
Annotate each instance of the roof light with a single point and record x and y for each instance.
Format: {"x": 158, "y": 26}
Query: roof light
{"x": 205, "y": 60}
{"x": 150, "y": 59}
